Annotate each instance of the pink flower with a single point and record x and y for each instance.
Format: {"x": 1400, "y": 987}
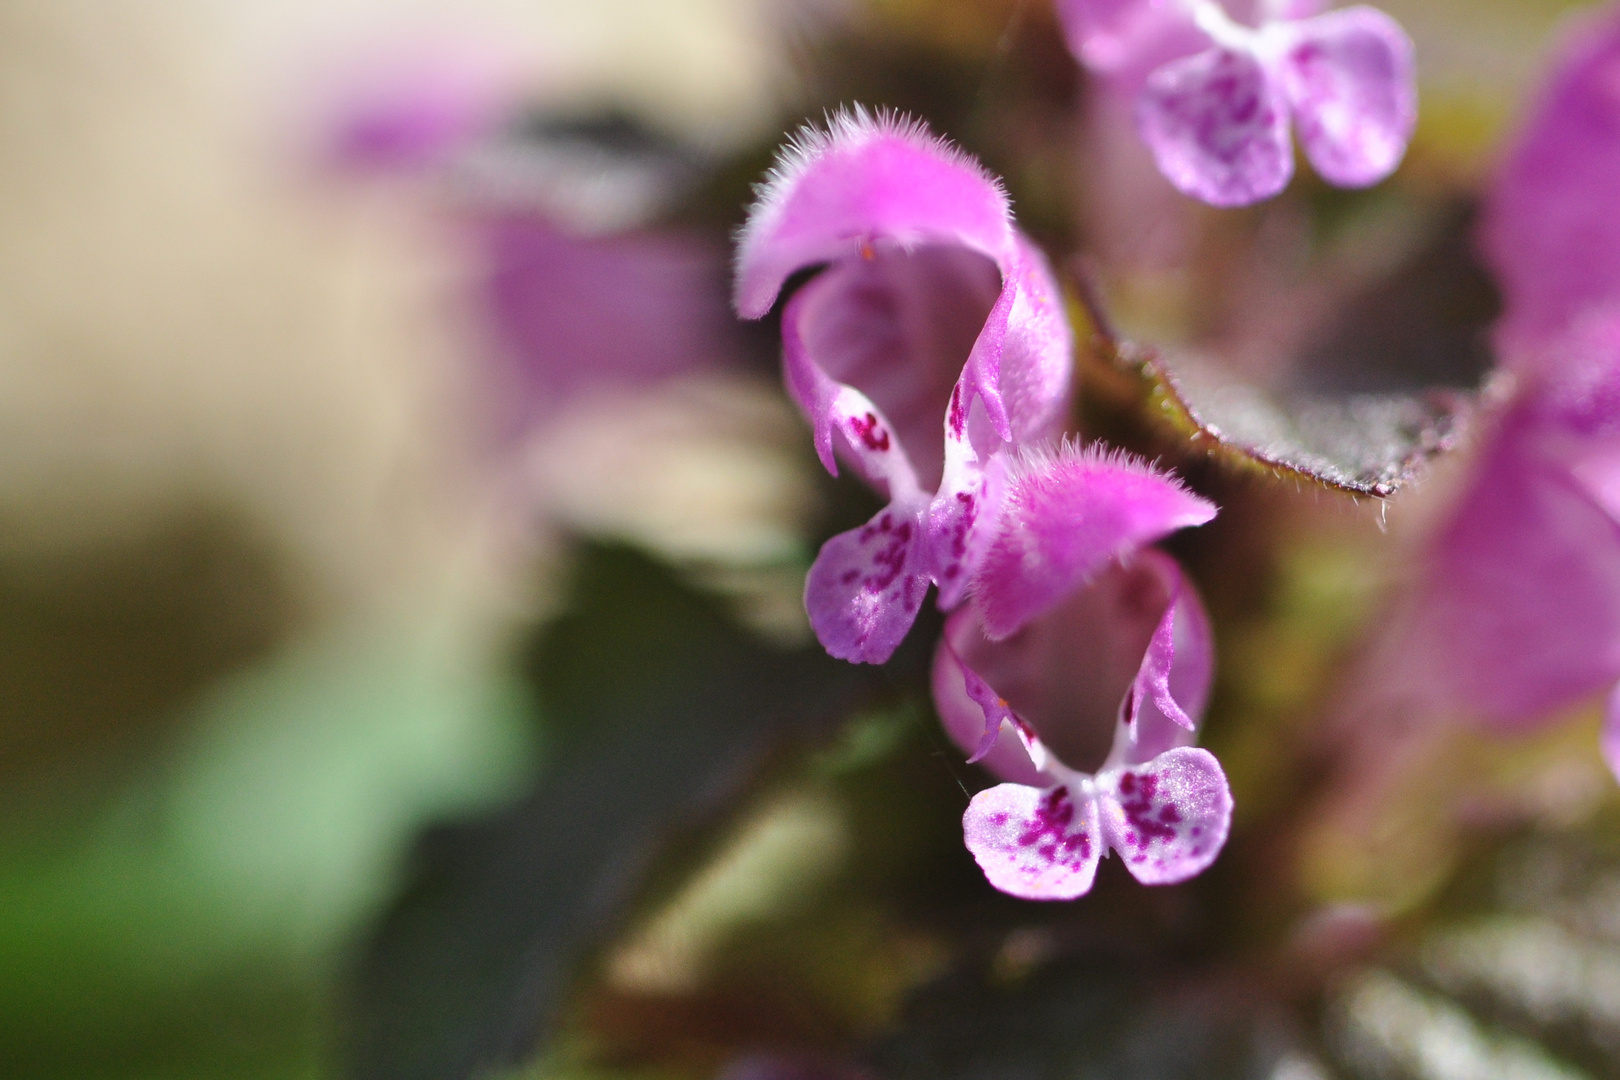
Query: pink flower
{"x": 1216, "y": 96}
{"x": 1137, "y": 632}
{"x": 930, "y": 341}
{"x": 932, "y": 313}
{"x": 1517, "y": 614}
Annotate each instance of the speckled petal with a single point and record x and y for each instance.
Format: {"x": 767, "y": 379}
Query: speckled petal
{"x": 1033, "y": 843}
{"x": 1350, "y": 78}
{"x": 1218, "y": 127}
{"x": 1064, "y": 516}
{"x": 867, "y": 585}
{"x": 1167, "y": 817}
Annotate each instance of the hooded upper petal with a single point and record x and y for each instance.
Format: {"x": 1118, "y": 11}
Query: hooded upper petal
{"x": 1217, "y": 124}
{"x": 879, "y": 188}
{"x": 1549, "y": 226}
{"x": 1350, "y": 78}
{"x": 1040, "y": 844}
{"x": 1064, "y": 516}
{"x": 865, "y": 178}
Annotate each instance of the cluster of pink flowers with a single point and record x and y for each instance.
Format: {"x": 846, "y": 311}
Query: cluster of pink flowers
{"x": 930, "y": 352}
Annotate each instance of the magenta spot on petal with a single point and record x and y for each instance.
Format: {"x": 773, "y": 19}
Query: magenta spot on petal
{"x": 870, "y": 432}
{"x": 1138, "y": 791}
{"x": 957, "y": 414}
{"x": 1048, "y": 832}
{"x": 848, "y": 576}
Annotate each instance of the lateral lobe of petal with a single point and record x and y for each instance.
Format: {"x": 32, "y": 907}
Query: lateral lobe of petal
{"x": 1186, "y": 671}
{"x": 964, "y": 719}
{"x": 1152, "y": 683}
{"x": 1033, "y": 843}
{"x": 1063, "y": 517}
{"x": 1350, "y": 78}
{"x": 1217, "y": 127}
{"x": 1609, "y": 741}
{"x": 863, "y": 179}
{"x": 867, "y": 585}
{"x": 1168, "y": 818}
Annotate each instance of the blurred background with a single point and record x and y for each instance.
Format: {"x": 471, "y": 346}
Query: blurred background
{"x": 402, "y": 665}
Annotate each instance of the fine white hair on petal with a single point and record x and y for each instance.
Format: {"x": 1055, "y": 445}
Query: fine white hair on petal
{"x": 846, "y": 129}
{"x": 1031, "y": 459}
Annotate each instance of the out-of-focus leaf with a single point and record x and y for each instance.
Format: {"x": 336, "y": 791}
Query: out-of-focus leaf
{"x": 189, "y": 927}
{"x": 1101, "y": 1019}
{"x": 1514, "y": 974}
{"x": 658, "y": 701}
{"x": 1379, "y": 378}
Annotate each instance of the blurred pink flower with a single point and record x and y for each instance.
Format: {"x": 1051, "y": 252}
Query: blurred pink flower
{"x": 1214, "y": 96}
{"x": 1518, "y": 612}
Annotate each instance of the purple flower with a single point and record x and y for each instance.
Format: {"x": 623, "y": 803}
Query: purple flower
{"x": 1131, "y": 652}
{"x": 1517, "y": 610}
{"x": 1214, "y": 96}
{"x": 930, "y": 342}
